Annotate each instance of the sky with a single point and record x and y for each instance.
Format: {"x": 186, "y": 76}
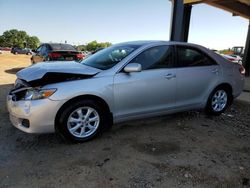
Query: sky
{"x": 82, "y": 21}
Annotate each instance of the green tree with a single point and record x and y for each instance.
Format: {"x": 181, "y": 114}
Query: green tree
{"x": 15, "y": 38}
{"x": 81, "y": 47}
{"x": 92, "y": 46}
{"x": 33, "y": 42}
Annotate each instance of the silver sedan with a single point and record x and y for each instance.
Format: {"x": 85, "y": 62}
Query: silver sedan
{"x": 123, "y": 82}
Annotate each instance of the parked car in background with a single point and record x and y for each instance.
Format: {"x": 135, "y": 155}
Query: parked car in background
{"x": 56, "y": 52}
{"x": 5, "y": 49}
{"x": 233, "y": 58}
{"x": 123, "y": 82}
{"x": 17, "y": 50}
{"x": 86, "y": 53}
{"x": 237, "y": 58}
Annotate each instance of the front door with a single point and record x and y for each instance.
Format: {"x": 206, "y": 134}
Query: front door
{"x": 150, "y": 91}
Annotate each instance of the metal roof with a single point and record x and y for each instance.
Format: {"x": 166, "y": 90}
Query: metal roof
{"x": 236, "y": 7}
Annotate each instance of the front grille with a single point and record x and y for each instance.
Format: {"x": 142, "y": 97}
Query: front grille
{"x": 18, "y": 95}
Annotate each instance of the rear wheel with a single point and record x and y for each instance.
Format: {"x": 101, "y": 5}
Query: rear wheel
{"x": 218, "y": 101}
{"x": 81, "y": 121}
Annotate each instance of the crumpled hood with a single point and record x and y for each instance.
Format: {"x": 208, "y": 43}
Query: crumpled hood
{"x": 39, "y": 70}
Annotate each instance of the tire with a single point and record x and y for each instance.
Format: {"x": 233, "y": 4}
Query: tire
{"x": 73, "y": 117}
{"x": 15, "y": 53}
{"x": 218, "y": 101}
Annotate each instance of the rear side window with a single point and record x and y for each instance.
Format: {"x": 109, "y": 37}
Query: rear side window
{"x": 155, "y": 58}
{"x": 189, "y": 57}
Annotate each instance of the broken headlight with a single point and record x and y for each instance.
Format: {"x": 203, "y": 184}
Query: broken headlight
{"x": 35, "y": 94}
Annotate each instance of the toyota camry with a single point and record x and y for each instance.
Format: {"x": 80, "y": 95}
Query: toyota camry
{"x": 123, "y": 82}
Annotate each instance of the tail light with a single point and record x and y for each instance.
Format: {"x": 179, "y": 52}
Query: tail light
{"x": 54, "y": 55}
{"x": 242, "y": 70}
{"x": 79, "y": 56}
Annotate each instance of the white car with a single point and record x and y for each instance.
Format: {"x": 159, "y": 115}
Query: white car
{"x": 233, "y": 58}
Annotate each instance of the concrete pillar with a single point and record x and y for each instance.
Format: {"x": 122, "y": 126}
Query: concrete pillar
{"x": 180, "y": 21}
{"x": 246, "y": 58}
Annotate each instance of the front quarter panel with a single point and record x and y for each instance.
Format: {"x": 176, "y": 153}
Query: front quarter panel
{"x": 98, "y": 86}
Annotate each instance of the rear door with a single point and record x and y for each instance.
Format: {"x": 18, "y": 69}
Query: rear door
{"x": 151, "y": 90}
{"x": 196, "y": 74}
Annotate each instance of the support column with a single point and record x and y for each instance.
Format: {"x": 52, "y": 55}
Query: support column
{"x": 181, "y": 14}
{"x": 246, "y": 58}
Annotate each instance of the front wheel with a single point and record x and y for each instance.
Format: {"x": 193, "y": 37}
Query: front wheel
{"x": 81, "y": 121}
{"x": 218, "y": 101}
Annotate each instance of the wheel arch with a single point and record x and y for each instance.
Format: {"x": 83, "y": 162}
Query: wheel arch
{"x": 98, "y": 99}
{"x": 226, "y": 86}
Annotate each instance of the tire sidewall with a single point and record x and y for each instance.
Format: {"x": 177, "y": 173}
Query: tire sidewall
{"x": 61, "y": 125}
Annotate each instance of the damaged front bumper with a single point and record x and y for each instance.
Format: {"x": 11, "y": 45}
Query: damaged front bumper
{"x": 33, "y": 116}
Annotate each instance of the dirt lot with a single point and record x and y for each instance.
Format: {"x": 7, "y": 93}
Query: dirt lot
{"x": 182, "y": 150}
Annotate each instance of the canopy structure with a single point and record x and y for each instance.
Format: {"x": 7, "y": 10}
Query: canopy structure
{"x": 236, "y": 7}
{"x": 181, "y": 13}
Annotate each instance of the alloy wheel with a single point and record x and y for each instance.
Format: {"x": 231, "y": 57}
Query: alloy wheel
{"x": 83, "y": 122}
{"x": 219, "y": 100}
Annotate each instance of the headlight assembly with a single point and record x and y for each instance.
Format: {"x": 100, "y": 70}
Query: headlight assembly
{"x": 35, "y": 94}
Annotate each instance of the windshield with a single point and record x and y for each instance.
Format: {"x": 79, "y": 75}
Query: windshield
{"x": 109, "y": 57}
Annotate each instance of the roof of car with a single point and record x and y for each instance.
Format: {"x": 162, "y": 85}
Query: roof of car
{"x": 148, "y": 42}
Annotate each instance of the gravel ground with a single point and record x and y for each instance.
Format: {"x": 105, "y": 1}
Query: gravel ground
{"x": 186, "y": 149}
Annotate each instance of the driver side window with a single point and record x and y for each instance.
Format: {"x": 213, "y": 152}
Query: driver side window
{"x": 155, "y": 58}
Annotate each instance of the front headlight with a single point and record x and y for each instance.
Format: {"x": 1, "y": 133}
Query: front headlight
{"x": 34, "y": 94}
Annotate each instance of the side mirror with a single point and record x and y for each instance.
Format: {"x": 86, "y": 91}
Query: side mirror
{"x": 132, "y": 67}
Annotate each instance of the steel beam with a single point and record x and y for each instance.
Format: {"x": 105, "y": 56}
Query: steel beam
{"x": 246, "y": 58}
{"x": 181, "y": 14}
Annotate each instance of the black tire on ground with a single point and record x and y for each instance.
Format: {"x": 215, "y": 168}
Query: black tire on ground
{"x": 15, "y": 53}
{"x": 209, "y": 107}
{"x": 61, "y": 124}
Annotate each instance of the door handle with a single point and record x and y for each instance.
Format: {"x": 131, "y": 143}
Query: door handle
{"x": 215, "y": 71}
{"x": 169, "y": 76}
